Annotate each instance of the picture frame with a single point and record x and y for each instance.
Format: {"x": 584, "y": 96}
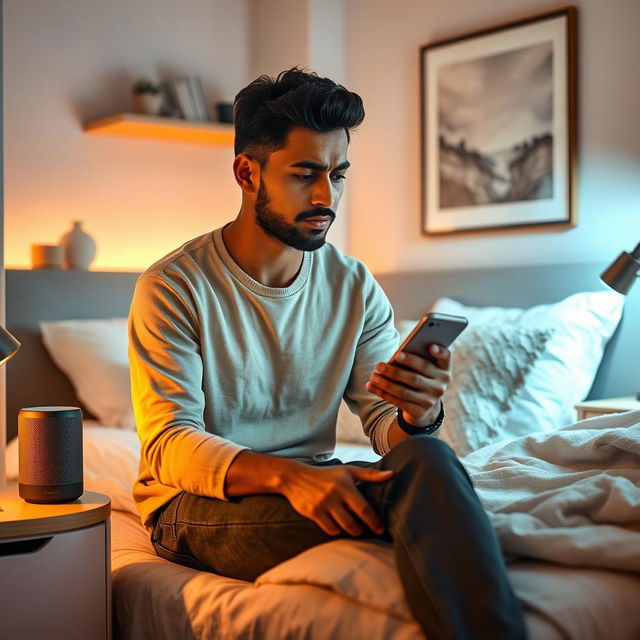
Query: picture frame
{"x": 498, "y": 126}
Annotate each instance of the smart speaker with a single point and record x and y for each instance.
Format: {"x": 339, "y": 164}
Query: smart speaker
{"x": 50, "y": 454}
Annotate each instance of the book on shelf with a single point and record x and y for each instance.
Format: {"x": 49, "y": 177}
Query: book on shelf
{"x": 197, "y": 94}
{"x": 181, "y": 92}
{"x": 170, "y": 108}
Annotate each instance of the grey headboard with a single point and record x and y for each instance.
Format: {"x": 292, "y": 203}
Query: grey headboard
{"x": 32, "y": 296}
{"x": 619, "y": 372}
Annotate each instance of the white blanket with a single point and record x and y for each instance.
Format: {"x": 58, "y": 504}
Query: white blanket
{"x": 571, "y": 497}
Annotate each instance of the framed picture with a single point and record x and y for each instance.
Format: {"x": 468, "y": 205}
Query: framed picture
{"x": 499, "y": 126}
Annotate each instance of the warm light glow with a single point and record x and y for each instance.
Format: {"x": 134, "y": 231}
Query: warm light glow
{"x": 7, "y": 358}
{"x": 131, "y": 254}
{"x": 138, "y": 126}
{"x": 134, "y": 222}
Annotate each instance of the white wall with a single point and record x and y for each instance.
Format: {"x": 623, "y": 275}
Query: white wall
{"x": 307, "y": 33}
{"x": 72, "y": 61}
{"x": 268, "y": 33}
{"x": 383, "y": 45}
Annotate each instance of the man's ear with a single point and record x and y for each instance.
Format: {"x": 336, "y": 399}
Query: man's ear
{"x": 246, "y": 171}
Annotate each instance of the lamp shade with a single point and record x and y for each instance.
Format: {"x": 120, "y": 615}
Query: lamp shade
{"x": 8, "y": 345}
{"x": 623, "y": 271}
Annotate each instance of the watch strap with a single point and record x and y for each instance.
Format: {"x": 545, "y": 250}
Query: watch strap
{"x": 427, "y": 430}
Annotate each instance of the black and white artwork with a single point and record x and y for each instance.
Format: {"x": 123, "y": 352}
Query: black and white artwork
{"x": 497, "y": 124}
{"x": 495, "y": 128}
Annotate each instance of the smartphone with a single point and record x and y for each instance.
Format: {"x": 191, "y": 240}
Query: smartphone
{"x": 433, "y": 328}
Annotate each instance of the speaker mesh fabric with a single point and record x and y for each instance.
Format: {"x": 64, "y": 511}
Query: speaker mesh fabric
{"x": 50, "y": 450}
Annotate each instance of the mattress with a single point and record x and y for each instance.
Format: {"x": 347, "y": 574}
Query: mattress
{"x": 333, "y": 591}
{"x": 156, "y": 599}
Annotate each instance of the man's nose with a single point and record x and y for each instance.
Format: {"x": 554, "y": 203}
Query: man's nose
{"x": 322, "y": 195}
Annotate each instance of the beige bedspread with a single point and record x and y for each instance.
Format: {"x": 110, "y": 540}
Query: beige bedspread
{"x": 350, "y": 589}
{"x": 320, "y": 596}
{"x": 155, "y": 599}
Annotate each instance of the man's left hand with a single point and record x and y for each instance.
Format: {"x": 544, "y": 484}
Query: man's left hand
{"x": 416, "y": 385}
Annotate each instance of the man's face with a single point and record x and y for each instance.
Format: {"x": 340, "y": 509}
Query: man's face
{"x": 301, "y": 187}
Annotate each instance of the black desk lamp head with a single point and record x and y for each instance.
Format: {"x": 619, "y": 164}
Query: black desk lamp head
{"x": 8, "y": 345}
{"x": 623, "y": 271}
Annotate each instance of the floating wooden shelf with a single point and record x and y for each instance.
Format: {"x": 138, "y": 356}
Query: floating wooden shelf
{"x": 135, "y": 125}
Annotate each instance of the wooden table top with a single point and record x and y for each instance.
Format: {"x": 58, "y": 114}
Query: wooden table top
{"x": 19, "y": 518}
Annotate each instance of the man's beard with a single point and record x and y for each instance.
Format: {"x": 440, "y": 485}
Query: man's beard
{"x": 277, "y": 227}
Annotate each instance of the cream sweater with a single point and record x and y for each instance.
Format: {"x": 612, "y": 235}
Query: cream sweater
{"x": 221, "y": 363}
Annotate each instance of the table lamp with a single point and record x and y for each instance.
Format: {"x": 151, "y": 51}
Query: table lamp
{"x": 623, "y": 271}
{"x": 8, "y": 346}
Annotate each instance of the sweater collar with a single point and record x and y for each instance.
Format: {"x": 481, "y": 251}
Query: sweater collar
{"x": 253, "y": 285}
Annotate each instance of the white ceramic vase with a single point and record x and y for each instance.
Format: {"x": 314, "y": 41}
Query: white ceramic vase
{"x": 79, "y": 248}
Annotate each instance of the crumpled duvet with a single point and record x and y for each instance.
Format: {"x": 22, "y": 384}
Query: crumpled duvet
{"x": 571, "y": 497}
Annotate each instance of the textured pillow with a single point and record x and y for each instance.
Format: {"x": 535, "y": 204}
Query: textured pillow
{"x": 489, "y": 368}
{"x": 93, "y": 355}
{"x": 581, "y": 324}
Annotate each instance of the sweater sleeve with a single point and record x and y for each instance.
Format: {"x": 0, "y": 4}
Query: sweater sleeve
{"x": 166, "y": 389}
{"x": 377, "y": 343}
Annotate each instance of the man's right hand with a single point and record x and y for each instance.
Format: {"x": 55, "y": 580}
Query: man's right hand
{"x": 327, "y": 495}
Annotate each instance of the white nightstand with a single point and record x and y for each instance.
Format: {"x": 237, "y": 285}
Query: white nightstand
{"x": 55, "y": 568}
{"x": 593, "y": 408}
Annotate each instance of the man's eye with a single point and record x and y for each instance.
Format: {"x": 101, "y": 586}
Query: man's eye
{"x": 305, "y": 177}
{"x": 338, "y": 178}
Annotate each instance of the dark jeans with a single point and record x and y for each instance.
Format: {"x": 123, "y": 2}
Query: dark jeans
{"x": 448, "y": 558}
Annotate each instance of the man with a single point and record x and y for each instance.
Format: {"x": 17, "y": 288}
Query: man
{"x": 243, "y": 343}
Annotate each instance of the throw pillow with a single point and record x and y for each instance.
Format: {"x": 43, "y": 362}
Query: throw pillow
{"x": 489, "y": 368}
{"x": 93, "y": 355}
{"x": 581, "y": 326}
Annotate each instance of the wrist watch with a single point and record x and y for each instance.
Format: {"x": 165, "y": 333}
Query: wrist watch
{"x": 427, "y": 430}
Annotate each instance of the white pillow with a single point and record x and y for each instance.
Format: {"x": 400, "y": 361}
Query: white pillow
{"x": 582, "y": 325}
{"x": 93, "y": 355}
{"x": 349, "y": 427}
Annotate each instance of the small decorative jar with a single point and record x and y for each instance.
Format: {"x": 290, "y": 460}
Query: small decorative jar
{"x": 47, "y": 256}
{"x": 79, "y": 248}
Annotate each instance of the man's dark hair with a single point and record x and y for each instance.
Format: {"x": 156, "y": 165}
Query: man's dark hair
{"x": 266, "y": 110}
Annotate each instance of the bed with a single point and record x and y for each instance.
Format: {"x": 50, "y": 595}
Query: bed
{"x": 565, "y": 502}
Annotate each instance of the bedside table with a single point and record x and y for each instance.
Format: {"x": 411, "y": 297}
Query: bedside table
{"x": 592, "y": 408}
{"x": 55, "y": 568}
